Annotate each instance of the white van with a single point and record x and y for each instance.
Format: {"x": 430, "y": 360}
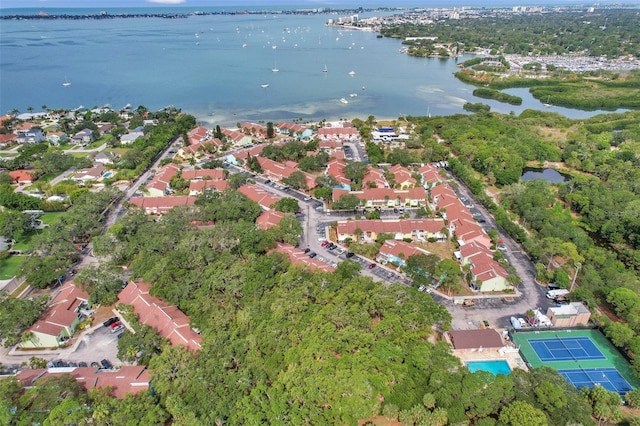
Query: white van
{"x": 552, "y": 294}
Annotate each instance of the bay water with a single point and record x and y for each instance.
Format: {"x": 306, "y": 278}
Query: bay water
{"x": 228, "y": 68}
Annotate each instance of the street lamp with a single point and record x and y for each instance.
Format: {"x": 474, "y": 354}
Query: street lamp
{"x": 573, "y": 281}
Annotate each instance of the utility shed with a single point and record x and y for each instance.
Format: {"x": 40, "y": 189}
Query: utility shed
{"x": 569, "y": 315}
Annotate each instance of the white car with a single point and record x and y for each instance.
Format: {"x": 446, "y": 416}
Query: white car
{"x": 523, "y": 322}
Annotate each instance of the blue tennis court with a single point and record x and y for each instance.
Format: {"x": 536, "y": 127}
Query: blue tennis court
{"x": 609, "y": 378}
{"x": 566, "y": 349}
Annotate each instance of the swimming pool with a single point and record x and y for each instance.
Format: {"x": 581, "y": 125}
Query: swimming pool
{"x": 494, "y": 367}
{"x": 107, "y": 175}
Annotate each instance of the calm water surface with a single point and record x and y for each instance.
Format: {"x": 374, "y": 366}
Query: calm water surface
{"x": 220, "y": 68}
{"x": 550, "y": 175}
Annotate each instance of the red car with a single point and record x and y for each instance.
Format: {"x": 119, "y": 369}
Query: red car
{"x": 116, "y": 324}
{"x": 325, "y": 244}
{"x": 373, "y": 265}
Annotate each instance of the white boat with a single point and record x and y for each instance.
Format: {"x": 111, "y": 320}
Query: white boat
{"x": 66, "y": 82}
{"x": 325, "y": 69}
{"x": 352, "y": 73}
{"x": 264, "y": 86}
{"x": 353, "y": 95}
{"x": 275, "y": 68}
{"x": 344, "y": 101}
{"x": 244, "y": 45}
{"x": 547, "y": 104}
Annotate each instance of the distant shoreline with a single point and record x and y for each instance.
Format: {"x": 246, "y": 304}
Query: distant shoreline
{"x": 165, "y": 15}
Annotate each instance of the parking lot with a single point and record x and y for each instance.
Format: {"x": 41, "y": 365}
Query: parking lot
{"x": 95, "y": 346}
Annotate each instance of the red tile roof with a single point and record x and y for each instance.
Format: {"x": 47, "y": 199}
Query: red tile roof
{"x": 160, "y": 205}
{"x": 214, "y": 174}
{"x": 404, "y": 226}
{"x": 269, "y": 219}
{"x": 298, "y": 256}
{"x": 162, "y": 178}
{"x": 197, "y": 186}
{"x": 22, "y": 175}
{"x": 62, "y": 311}
{"x": 400, "y": 249}
{"x": 259, "y": 195}
{"x": 125, "y": 380}
{"x": 171, "y": 323}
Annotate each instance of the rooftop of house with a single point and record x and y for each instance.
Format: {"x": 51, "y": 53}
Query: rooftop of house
{"x": 62, "y": 310}
{"x": 475, "y": 339}
{"x": 269, "y": 219}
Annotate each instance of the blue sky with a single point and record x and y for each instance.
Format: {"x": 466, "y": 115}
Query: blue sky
{"x": 308, "y": 3}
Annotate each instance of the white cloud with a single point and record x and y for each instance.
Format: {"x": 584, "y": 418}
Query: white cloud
{"x": 167, "y": 1}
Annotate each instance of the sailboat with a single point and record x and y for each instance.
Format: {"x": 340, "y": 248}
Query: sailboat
{"x": 264, "y": 86}
{"x": 352, "y": 73}
{"x": 428, "y": 112}
{"x": 547, "y": 104}
{"x": 66, "y": 82}
{"x": 274, "y": 69}
{"x": 325, "y": 69}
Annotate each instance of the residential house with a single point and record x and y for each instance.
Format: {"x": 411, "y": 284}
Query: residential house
{"x": 131, "y": 137}
{"x": 254, "y": 151}
{"x": 237, "y": 138}
{"x": 572, "y": 315}
{"x": 33, "y": 135}
{"x": 203, "y": 174}
{"x": 259, "y": 195}
{"x": 335, "y": 169}
{"x": 59, "y": 322}
{"x": 330, "y": 146}
{"x": 403, "y": 177}
{"x": 368, "y": 230}
{"x": 279, "y": 171}
{"x": 106, "y": 157}
{"x": 161, "y": 205}
{"x": 339, "y": 132}
{"x": 269, "y": 219}
{"x": 57, "y": 138}
{"x": 477, "y": 340}
{"x": 94, "y": 173}
{"x": 170, "y": 322}
{"x": 199, "y": 148}
{"x": 486, "y": 274}
{"x": 7, "y": 139}
{"x": 295, "y": 130}
{"x": 430, "y": 176}
{"x": 198, "y": 135}
{"x": 374, "y": 178}
{"x": 105, "y": 128}
{"x": 159, "y": 185}
{"x": 128, "y": 379}
{"x": 254, "y": 130}
{"x": 22, "y": 176}
{"x": 197, "y": 187}
{"x": 83, "y": 137}
{"x": 386, "y": 197}
{"x": 299, "y": 257}
{"x": 397, "y": 252}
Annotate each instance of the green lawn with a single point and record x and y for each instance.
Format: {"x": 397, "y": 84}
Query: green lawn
{"x": 9, "y": 267}
{"x": 48, "y": 218}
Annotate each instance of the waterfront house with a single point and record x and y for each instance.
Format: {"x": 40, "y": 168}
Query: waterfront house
{"x": 198, "y": 135}
{"x": 57, "y": 138}
{"x": 295, "y": 130}
{"x": 59, "y": 322}
{"x": 255, "y": 130}
{"x": 170, "y": 322}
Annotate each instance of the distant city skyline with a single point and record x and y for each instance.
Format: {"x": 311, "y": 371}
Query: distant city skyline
{"x": 46, "y": 4}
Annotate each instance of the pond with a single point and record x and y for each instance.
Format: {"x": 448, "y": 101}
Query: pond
{"x": 550, "y": 175}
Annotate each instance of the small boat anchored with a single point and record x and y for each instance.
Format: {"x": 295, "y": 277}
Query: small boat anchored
{"x": 547, "y": 104}
{"x": 344, "y": 101}
{"x": 352, "y": 73}
{"x": 353, "y": 95}
{"x": 264, "y": 86}
{"x": 325, "y": 69}
{"x": 66, "y": 83}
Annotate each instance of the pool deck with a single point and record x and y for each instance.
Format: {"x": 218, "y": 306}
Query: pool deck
{"x": 508, "y": 353}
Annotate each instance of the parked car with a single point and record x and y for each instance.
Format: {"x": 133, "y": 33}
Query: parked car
{"x": 110, "y": 321}
{"x": 115, "y": 324}
{"x": 307, "y": 250}
{"x": 324, "y": 244}
{"x": 371, "y": 266}
{"x": 307, "y": 198}
{"x": 95, "y": 365}
{"x": 82, "y": 364}
{"x": 312, "y": 254}
{"x": 349, "y": 255}
{"x": 118, "y": 328}
{"x": 106, "y": 364}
